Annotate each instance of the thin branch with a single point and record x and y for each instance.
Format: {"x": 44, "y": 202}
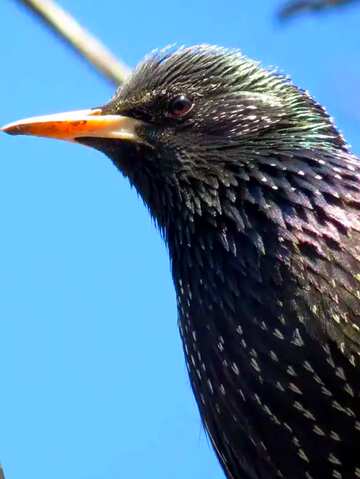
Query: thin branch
{"x": 296, "y": 7}
{"x": 85, "y": 44}
{"x": 79, "y": 39}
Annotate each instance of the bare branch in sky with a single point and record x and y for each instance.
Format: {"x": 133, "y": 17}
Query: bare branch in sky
{"x": 295, "y": 7}
{"x": 82, "y": 41}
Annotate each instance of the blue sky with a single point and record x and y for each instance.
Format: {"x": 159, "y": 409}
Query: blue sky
{"x": 93, "y": 382}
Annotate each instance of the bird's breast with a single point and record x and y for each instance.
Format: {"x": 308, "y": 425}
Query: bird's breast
{"x": 276, "y": 400}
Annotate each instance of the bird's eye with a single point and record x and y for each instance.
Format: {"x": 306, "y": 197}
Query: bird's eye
{"x": 180, "y": 106}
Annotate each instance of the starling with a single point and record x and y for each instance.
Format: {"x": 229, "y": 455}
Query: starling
{"x": 258, "y": 198}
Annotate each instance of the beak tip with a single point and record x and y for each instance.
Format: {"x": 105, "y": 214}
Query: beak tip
{"x": 10, "y": 129}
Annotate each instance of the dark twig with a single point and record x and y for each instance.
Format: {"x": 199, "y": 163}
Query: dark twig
{"x": 296, "y": 7}
{"x": 80, "y": 40}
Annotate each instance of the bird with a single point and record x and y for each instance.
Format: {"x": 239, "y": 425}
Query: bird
{"x": 257, "y": 196}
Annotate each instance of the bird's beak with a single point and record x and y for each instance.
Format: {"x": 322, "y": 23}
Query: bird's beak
{"x": 77, "y": 124}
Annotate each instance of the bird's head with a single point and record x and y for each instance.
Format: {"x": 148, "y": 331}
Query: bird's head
{"x": 192, "y": 120}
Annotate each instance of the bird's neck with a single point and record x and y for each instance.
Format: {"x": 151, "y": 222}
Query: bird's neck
{"x": 251, "y": 245}
{"x": 219, "y": 267}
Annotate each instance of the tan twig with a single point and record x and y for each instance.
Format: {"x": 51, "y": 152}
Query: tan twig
{"x": 80, "y": 40}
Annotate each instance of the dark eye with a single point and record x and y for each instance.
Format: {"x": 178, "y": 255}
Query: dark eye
{"x": 180, "y": 106}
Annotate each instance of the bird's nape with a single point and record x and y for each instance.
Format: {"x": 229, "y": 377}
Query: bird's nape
{"x": 258, "y": 199}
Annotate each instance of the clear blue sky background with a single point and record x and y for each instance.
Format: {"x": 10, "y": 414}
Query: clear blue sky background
{"x": 92, "y": 379}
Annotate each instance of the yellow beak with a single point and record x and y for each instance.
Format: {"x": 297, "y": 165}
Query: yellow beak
{"x": 76, "y": 124}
